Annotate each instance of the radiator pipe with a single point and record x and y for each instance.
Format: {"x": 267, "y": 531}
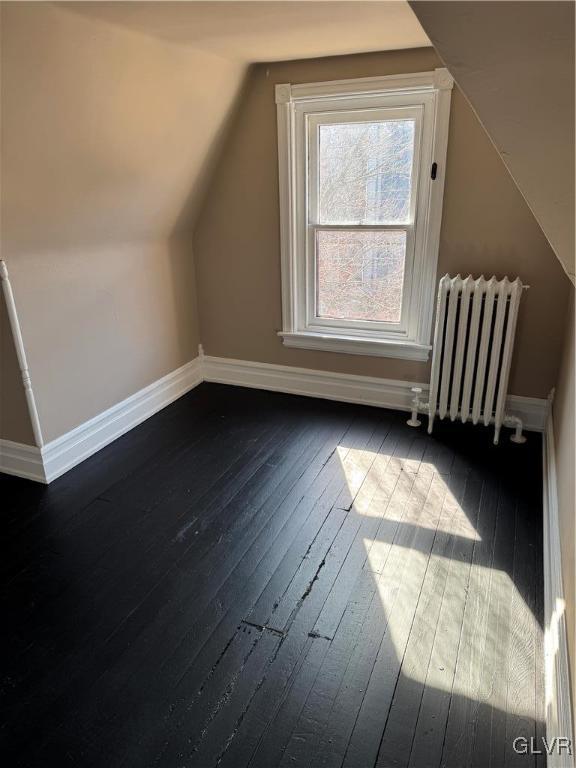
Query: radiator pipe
{"x": 414, "y": 421}
{"x": 20, "y": 353}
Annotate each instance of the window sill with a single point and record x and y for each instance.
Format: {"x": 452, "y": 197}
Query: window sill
{"x": 351, "y": 345}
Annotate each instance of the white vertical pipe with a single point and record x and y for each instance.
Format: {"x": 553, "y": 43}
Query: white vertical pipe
{"x": 496, "y": 349}
{"x": 467, "y": 287}
{"x": 515, "y": 296}
{"x": 20, "y": 353}
{"x": 472, "y": 348}
{"x": 455, "y": 286}
{"x": 437, "y": 349}
{"x": 483, "y": 349}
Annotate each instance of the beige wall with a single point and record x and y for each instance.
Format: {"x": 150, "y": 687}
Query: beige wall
{"x": 107, "y": 138}
{"x": 15, "y": 422}
{"x": 102, "y": 322}
{"x": 564, "y": 430}
{"x": 515, "y": 63}
{"x": 487, "y": 227}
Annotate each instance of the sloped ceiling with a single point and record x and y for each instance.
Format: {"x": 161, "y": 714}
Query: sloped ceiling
{"x": 106, "y": 132}
{"x": 514, "y": 61}
{"x": 114, "y": 111}
{"x": 269, "y": 31}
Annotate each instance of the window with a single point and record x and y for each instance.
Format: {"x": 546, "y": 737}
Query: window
{"x": 361, "y": 181}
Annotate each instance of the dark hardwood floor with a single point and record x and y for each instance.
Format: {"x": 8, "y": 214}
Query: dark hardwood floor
{"x": 255, "y": 579}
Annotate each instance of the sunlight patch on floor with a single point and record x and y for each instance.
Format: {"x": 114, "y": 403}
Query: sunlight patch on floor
{"x": 380, "y": 483}
{"x": 392, "y": 510}
{"x": 463, "y": 610}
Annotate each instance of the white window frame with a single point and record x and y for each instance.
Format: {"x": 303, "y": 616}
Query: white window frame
{"x": 424, "y": 97}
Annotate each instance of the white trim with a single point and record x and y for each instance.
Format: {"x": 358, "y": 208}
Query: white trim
{"x": 22, "y": 460}
{"x": 429, "y": 267}
{"x": 286, "y": 174}
{"x": 20, "y": 353}
{"x": 532, "y": 411}
{"x": 557, "y": 676}
{"x": 58, "y": 456}
{"x": 365, "y": 390}
{"x": 356, "y": 346}
{"x": 431, "y": 91}
{"x": 439, "y": 79}
{"x": 65, "y": 452}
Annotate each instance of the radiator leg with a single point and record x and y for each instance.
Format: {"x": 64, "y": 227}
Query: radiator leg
{"x": 430, "y": 423}
{"x": 518, "y": 437}
{"x": 414, "y": 421}
{"x": 516, "y": 424}
{"x": 496, "y": 435}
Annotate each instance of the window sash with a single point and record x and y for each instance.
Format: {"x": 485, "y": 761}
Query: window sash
{"x": 350, "y": 117}
{"x": 387, "y": 110}
{"x": 374, "y": 327}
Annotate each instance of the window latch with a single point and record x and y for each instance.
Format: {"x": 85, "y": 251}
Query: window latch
{"x": 433, "y": 171}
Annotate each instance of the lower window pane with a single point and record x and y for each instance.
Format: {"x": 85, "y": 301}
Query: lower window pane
{"x": 360, "y": 274}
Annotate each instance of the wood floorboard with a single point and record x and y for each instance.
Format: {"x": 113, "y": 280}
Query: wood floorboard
{"x": 429, "y": 731}
{"x": 134, "y": 635}
{"x": 520, "y": 703}
{"x": 366, "y": 576}
{"x": 459, "y": 735}
{"x": 404, "y": 710}
{"x": 218, "y": 597}
{"x": 306, "y": 518}
{"x": 489, "y": 727}
{"x": 257, "y": 579}
{"x": 168, "y": 537}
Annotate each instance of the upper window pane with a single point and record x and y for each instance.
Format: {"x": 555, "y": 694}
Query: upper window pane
{"x": 365, "y": 172}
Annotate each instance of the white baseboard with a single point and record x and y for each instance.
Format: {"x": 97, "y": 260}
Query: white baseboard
{"x": 58, "y": 456}
{"x": 532, "y": 410}
{"x": 366, "y": 390}
{"x": 557, "y": 674}
{"x": 22, "y": 460}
